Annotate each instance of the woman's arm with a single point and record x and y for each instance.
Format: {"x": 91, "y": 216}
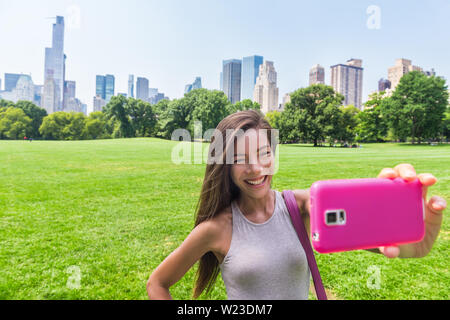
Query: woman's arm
{"x": 433, "y": 213}
{"x": 302, "y": 198}
{"x": 200, "y": 241}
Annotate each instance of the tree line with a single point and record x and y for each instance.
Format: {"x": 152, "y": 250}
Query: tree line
{"x": 418, "y": 111}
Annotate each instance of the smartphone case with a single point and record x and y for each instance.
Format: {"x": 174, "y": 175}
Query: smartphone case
{"x": 378, "y": 212}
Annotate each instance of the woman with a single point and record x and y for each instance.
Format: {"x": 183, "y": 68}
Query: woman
{"x": 243, "y": 228}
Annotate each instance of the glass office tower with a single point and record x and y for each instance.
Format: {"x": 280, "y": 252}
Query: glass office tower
{"x": 55, "y": 63}
{"x": 232, "y": 79}
{"x": 250, "y": 70}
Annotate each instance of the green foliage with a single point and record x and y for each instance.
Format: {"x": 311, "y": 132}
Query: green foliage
{"x": 64, "y": 126}
{"x": 13, "y": 123}
{"x": 312, "y": 115}
{"x": 245, "y": 104}
{"x": 176, "y": 116}
{"x": 36, "y": 115}
{"x": 417, "y": 106}
{"x": 117, "y": 110}
{"x": 274, "y": 119}
{"x": 97, "y": 126}
{"x": 207, "y": 106}
{"x": 372, "y": 124}
{"x": 6, "y": 103}
{"x": 446, "y": 124}
{"x": 143, "y": 119}
{"x": 347, "y": 124}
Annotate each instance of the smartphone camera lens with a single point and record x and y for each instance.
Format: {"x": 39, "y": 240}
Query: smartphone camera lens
{"x": 331, "y": 217}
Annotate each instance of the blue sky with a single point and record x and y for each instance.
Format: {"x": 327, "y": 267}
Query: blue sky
{"x": 172, "y": 41}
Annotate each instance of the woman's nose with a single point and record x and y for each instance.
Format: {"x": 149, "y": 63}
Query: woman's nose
{"x": 255, "y": 168}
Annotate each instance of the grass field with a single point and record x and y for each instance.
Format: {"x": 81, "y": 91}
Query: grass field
{"x": 92, "y": 219}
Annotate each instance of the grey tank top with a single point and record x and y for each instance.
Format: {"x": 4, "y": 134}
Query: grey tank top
{"x": 265, "y": 261}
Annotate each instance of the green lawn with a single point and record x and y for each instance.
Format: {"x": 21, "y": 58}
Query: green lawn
{"x": 114, "y": 209}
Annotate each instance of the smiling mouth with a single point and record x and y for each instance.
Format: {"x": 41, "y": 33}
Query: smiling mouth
{"x": 256, "y": 182}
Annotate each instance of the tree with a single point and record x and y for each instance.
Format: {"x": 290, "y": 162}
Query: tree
{"x": 274, "y": 119}
{"x": 176, "y": 116}
{"x": 245, "y": 104}
{"x": 418, "y": 105}
{"x": 347, "y": 124}
{"x": 446, "y": 125}
{"x": 143, "y": 119}
{"x": 13, "y": 123}
{"x": 159, "y": 109}
{"x": 76, "y": 128}
{"x": 312, "y": 114}
{"x": 116, "y": 109}
{"x": 97, "y": 126}
{"x": 6, "y": 103}
{"x": 372, "y": 126}
{"x": 53, "y": 125}
{"x": 36, "y": 115}
{"x": 208, "y": 106}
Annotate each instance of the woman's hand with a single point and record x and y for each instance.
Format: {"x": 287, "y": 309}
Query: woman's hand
{"x": 433, "y": 214}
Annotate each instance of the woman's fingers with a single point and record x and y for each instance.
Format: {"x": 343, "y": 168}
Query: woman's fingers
{"x": 388, "y": 173}
{"x": 427, "y": 179}
{"x": 406, "y": 171}
{"x": 390, "y": 252}
{"x": 437, "y": 204}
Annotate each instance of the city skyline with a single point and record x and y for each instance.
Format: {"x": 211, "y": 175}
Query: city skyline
{"x": 93, "y": 47}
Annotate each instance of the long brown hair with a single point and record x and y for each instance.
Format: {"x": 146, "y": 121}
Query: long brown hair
{"x": 218, "y": 190}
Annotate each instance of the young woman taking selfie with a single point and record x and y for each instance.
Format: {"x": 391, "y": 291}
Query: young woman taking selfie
{"x": 243, "y": 229}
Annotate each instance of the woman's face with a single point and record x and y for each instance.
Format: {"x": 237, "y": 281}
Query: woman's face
{"x": 253, "y": 166}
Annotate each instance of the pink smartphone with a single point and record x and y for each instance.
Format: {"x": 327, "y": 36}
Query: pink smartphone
{"x": 365, "y": 213}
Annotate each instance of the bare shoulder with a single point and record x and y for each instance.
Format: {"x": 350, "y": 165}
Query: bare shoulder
{"x": 218, "y": 229}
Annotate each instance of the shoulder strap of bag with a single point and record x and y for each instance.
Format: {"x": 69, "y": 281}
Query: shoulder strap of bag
{"x": 299, "y": 226}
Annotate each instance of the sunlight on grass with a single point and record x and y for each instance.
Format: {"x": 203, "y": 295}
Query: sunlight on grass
{"x": 116, "y": 208}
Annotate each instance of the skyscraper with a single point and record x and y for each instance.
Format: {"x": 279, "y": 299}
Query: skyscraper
{"x": 347, "y": 80}
{"x": 266, "y": 91}
{"x": 383, "y": 84}
{"x": 131, "y": 86}
{"x": 401, "y": 67}
{"x": 55, "y": 64}
{"x": 49, "y": 95}
{"x": 109, "y": 87}
{"x": 317, "y": 75}
{"x": 23, "y": 90}
{"x": 232, "y": 79}
{"x": 99, "y": 103}
{"x": 104, "y": 86}
{"x": 11, "y": 81}
{"x": 250, "y": 70}
{"x": 142, "y": 89}
{"x": 197, "y": 84}
{"x": 100, "y": 86}
{"x": 69, "y": 92}
{"x": 187, "y": 88}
